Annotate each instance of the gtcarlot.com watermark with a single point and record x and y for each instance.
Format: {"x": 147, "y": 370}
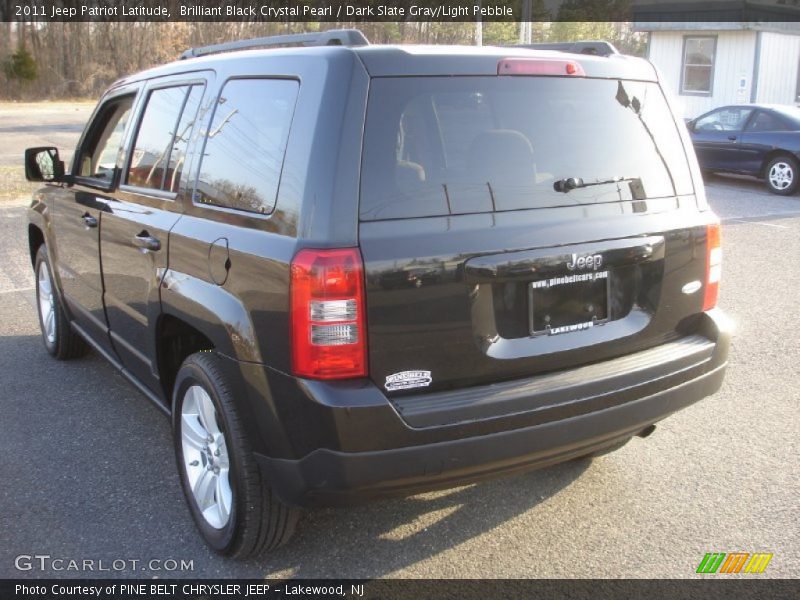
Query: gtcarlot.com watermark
{"x": 46, "y": 562}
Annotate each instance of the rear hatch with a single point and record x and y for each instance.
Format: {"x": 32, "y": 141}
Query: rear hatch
{"x": 517, "y": 225}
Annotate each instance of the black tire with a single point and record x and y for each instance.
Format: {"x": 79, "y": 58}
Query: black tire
{"x": 782, "y": 175}
{"x": 65, "y": 343}
{"x": 258, "y": 521}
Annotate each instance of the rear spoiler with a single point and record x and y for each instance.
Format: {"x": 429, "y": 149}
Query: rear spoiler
{"x": 594, "y": 47}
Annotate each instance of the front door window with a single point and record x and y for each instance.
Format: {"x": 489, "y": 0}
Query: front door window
{"x": 98, "y": 157}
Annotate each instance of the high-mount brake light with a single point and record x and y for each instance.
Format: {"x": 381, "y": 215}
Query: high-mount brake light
{"x": 327, "y": 314}
{"x": 713, "y": 265}
{"x": 540, "y": 66}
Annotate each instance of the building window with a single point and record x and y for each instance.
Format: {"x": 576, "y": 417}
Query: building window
{"x": 698, "y": 65}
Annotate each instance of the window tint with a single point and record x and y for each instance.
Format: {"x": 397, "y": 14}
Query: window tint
{"x": 724, "y": 119}
{"x": 461, "y": 118}
{"x": 158, "y": 151}
{"x": 98, "y": 157}
{"x": 764, "y": 121}
{"x": 438, "y": 146}
{"x": 182, "y": 135}
{"x": 246, "y": 143}
{"x": 698, "y": 65}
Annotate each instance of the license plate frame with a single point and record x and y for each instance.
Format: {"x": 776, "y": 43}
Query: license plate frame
{"x": 589, "y": 291}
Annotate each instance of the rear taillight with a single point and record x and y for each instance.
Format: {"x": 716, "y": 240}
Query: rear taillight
{"x": 540, "y": 66}
{"x": 713, "y": 265}
{"x": 327, "y": 314}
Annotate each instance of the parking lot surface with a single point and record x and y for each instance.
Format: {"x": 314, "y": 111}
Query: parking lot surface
{"x": 88, "y": 471}
{"x": 24, "y": 125}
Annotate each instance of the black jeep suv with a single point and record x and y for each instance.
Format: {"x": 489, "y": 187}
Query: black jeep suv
{"x": 351, "y": 271}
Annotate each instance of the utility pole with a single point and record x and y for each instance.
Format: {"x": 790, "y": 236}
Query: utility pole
{"x": 525, "y": 25}
{"x": 479, "y": 28}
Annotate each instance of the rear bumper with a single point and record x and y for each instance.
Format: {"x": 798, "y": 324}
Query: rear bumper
{"x": 577, "y": 422}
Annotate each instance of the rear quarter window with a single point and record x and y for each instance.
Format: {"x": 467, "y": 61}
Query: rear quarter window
{"x": 246, "y": 144}
{"x": 439, "y": 146}
{"x": 766, "y": 122}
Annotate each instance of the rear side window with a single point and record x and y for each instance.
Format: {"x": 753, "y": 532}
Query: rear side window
{"x": 160, "y": 146}
{"x": 183, "y": 132}
{"x": 246, "y": 144}
{"x": 764, "y": 121}
{"x": 438, "y": 146}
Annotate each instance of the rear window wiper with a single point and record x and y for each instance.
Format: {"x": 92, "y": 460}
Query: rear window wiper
{"x": 571, "y": 183}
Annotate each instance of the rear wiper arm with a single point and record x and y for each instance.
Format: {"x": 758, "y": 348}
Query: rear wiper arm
{"x": 571, "y": 183}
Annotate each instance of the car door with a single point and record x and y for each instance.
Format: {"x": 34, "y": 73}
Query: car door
{"x": 716, "y": 138}
{"x": 761, "y": 135}
{"x": 78, "y": 208}
{"x": 136, "y": 224}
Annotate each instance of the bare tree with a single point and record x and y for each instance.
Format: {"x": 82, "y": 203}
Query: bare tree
{"x": 81, "y": 59}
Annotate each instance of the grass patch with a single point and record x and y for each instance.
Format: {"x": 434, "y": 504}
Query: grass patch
{"x": 14, "y": 186}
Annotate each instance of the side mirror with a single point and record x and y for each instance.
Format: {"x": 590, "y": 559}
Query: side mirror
{"x": 690, "y": 125}
{"x": 43, "y": 164}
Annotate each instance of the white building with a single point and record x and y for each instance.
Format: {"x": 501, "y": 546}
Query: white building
{"x": 711, "y": 64}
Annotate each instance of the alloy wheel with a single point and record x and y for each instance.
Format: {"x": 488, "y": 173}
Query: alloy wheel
{"x": 205, "y": 457}
{"x": 47, "y": 306}
{"x": 781, "y": 175}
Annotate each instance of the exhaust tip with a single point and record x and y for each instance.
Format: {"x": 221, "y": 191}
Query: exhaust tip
{"x": 646, "y": 431}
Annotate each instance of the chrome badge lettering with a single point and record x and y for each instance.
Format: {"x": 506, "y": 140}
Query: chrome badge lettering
{"x": 408, "y": 379}
{"x": 592, "y": 261}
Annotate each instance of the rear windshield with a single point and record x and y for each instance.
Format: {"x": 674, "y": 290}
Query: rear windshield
{"x": 457, "y": 145}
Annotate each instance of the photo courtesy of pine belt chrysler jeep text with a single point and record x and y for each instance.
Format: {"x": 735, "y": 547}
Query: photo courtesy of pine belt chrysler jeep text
{"x": 351, "y": 271}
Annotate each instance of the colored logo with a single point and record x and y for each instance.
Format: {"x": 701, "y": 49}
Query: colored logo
{"x": 734, "y": 562}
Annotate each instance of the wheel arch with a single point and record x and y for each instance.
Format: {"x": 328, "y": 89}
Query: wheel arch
{"x": 180, "y": 336}
{"x": 35, "y": 240}
{"x": 773, "y": 154}
{"x": 176, "y": 340}
{"x": 213, "y": 311}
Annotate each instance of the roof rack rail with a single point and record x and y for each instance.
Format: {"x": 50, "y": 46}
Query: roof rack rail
{"x": 333, "y": 37}
{"x": 595, "y": 47}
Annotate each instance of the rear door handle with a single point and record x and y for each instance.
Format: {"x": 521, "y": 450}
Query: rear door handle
{"x": 147, "y": 241}
{"x": 89, "y": 220}
{"x": 732, "y": 138}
